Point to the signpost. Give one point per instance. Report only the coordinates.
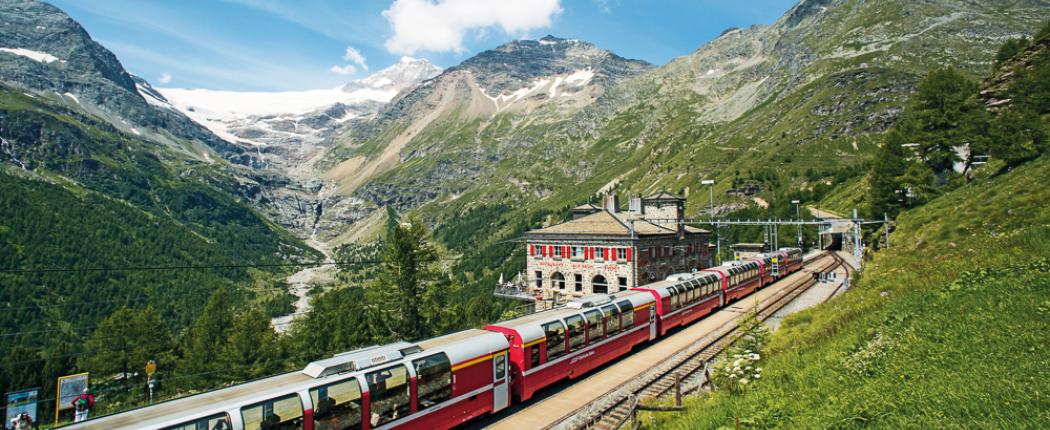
(19, 402)
(151, 368)
(69, 387)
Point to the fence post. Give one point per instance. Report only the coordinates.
(678, 389)
(634, 411)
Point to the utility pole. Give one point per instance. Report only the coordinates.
(711, 216)
(856, 238)
(798, 217)
(886, 224)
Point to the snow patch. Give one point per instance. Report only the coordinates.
(580, 77)
(548, 42)
(231, 105)
(40, 57)
(133, 130)
(70, 95)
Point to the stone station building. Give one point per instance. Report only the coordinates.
(605, 250)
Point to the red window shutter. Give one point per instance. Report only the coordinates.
(628, 254)
(565, 252)
(532, 249)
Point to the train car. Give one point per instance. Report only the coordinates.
(765, 262)
(738, 279)
(567, 342)
(792, 260)
(684, 298)
(437, 383)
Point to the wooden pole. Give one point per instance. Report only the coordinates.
(678, 389)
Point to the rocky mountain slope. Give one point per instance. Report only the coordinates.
(456, 127)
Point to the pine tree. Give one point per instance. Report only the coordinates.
(943, 107)
(886, 193)
(123, 342)
(206, 338)
(1020, 136)
(408, 286)
(252, 350)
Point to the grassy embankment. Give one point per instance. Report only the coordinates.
(948, 329)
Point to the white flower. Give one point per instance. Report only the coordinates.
(732, 375)
(743, 381)
(758, 369)
(757, 376)
(748, 367)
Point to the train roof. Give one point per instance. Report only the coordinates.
(198, 405)
(459, 346)
(530, 328)
(663, 288)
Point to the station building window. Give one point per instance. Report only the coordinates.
(599, 285)
(621, 253)
(558, 281)
(623, 282)
(539, 280)
(579, 281)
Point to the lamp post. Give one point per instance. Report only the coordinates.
(711, 216)
(798, 218)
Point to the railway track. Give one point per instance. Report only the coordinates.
(687, 366)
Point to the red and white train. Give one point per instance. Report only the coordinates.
(443, 382)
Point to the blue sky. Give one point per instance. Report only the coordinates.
(272, 45)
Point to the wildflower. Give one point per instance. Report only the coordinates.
(743, 381)
(758, 376)
(732, 375)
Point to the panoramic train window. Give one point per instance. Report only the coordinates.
(433, 379)
(674, 298)
(594, 325)
(627, 315)
(612, 319)
(534, 352)
(555, 339)
(388, 389)
(577, 332)
(282, 413)
(337, 406)
(214, 422)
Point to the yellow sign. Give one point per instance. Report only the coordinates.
(151, 367)
(774, 259)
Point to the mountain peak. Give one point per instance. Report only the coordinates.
(513, 65)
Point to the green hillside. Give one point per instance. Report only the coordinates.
(105, 216)
(946, 329)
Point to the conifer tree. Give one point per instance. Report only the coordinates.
(203, 343)
(408, 292)
(252, 350)
(123, 343)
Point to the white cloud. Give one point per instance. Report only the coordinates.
(348, 69)
(426, 25)
(164, 78)
(354, 56)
